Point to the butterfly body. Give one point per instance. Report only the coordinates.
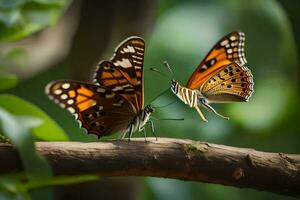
(188, 96)
(114, 102)
(221, 77)
(139, 121)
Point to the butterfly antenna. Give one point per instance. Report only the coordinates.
(165, 105)
(168, 67)
(161, 73)
(173, 119)
(162, 93)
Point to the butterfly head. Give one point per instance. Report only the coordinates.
(174, 86)
(149, 109)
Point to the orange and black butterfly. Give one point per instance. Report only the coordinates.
(115, 101)
(221, 77)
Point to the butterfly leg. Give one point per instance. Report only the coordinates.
(152, 129)
(208, 107)
(200, 113)
(130, 131)
(145, 135)
(130, 134)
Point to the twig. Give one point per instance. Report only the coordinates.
(169, 158)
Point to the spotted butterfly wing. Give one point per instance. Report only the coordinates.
(231, 83)
(100, 110)
(222, 76)
(228, 50)
(123, 73)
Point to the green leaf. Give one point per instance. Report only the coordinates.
(17, 129)
(20, 18)
(49, 130)
(7, 81)
(13, 185)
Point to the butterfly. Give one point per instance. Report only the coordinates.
(221, 77)
(114, 102)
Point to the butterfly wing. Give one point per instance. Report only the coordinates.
(228, 50)
(124, 72)
(100, 110)
(230, 83)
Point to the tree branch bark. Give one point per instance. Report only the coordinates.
(170, 158)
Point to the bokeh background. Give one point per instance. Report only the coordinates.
(43, 40)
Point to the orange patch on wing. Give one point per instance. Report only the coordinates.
(197, 79)
(71, 93)
(80, 98)
(215, 53)
(110, 82)
(117, 74)
(222, 56)
(106, 75)
(86, 104)
(84, 91)
(122, 81)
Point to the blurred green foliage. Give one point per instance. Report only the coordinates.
(48, 130)
(184, 32)
(7, 80)
(17, 129)
(21, 122)
(20, 18)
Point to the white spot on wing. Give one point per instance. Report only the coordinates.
(117, 88)
(224, 42)
(129, 49)
(137, 57)
(204, 67)
(64, 96)
(57, 92)
(232, 38)
(70, 101)
(125, 63)
(65, 85)
(110, 95)
(101, 90)
(138, 48)
(71, 110)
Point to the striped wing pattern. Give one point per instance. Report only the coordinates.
(123, 73)
(115, 98)
(98, 109)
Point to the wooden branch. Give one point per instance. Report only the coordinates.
(169, 158)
